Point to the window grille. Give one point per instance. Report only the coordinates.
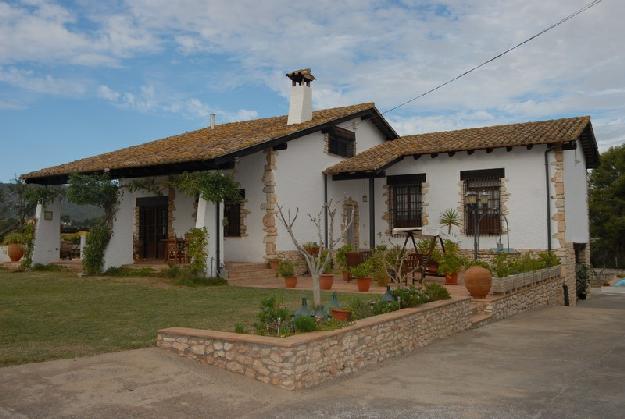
(341, 142)
(489, 215)
(232, 215)
(406, 200)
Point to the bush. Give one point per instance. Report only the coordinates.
(273, 318)
(360, 309)
(380, 306)
(436, 292)
(29, 240)
(286, 268)
(198, 240)
(362, 270)
(93, 257)
(239, 328)
(305, 324)
(341, 255)
(411, 296)
(14, 237)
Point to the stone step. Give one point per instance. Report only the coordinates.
(245, 267)
(251, 276)
(480, 319)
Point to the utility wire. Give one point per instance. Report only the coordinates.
(520, 44)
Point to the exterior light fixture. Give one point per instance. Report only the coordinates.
(471, 198)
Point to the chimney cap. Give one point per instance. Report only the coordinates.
(300, 76)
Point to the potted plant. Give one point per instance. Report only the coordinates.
(450, 265)
(286, 270)
(15, 245)
(362, 273)
(326, 279)
(343, 314)
(423, 247)
(478, 279)
(341, 261)
(312, 248)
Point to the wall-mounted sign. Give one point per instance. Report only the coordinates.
(48, 215)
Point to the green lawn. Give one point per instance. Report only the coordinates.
(49, 315)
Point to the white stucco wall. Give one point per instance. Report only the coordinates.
(119, 250)
(299, 181)
(250, 248)
(525, 181)
(576, 201)
(184, 213)
(47, 243)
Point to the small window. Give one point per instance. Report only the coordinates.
(406, 200)
(486, 183)
(341, 142)
(232, 215)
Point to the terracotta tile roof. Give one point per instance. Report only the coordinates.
(530, 133)
(204, 144)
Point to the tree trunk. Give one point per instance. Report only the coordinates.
(316, 289)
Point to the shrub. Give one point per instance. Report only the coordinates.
(198, 240)
(423, 247)
(286, 268)
(341, 255)
(48, 268)
(436, 292)
(305, 324)
(273, 318)
(479, 263)
(411, 296)
(549, 258)
(380, 306)
(239, 328)
(93, 257)
(14, 237)
(29, 239)
(360, 309)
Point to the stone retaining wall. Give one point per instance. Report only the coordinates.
(544, 293)
(305, 360)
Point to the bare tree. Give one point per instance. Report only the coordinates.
(316, 263)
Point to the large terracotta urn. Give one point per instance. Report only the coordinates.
(15, 251)
(478, 281)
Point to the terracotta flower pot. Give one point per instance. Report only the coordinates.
(15, 252)
(290, 281)
(364, 284)
(341, 315)
(478, 281)
(451, 279)
(326, 281)
(347, 276)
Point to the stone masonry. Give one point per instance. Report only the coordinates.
(306, 360)
(271, 200)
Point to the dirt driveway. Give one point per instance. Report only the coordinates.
(556, 362)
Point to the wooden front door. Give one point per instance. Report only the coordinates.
(153, 227)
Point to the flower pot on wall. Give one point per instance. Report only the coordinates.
(290, 281)
(15, 252)
(341, 315)
(478, 281)
(451, 279)
(364, 284)
(326, 281)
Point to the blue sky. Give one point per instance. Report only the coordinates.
(80, 77)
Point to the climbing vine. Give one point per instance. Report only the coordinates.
(211, 186)
(28, 235)
(198, 240)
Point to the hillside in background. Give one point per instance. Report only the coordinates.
(75, 212)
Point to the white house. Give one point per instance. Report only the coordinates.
(534, 175)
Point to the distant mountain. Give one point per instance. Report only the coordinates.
(75, 212)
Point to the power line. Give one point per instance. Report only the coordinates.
(520, 44)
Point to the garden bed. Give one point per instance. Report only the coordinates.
(507, 284)
(305, 360)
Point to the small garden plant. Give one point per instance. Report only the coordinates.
(286, 269)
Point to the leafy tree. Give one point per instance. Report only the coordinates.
(607, 209)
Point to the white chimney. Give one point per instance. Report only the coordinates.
(300, 104)
(212, 124)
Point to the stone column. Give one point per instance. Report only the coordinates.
(269, 219)
(47, 242)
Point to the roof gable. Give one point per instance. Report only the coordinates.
(206, 148)
(558, 131)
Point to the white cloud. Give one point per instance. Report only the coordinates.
(46, 84)
(146, 100)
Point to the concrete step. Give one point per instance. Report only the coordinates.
(242, 277)
(245, 267)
